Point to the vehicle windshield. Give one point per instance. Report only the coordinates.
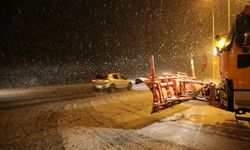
(101, 76)
(231, 34)
(247, 31)
(229, 38)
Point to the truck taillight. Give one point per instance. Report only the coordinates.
(106, 81)
(93, 81)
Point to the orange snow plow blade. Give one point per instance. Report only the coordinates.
(170, 89)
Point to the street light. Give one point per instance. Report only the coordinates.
(213, 35)
(229, 14)
(221, 43)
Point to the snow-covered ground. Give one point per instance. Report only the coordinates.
(121, 120)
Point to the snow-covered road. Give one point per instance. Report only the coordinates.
(120, 120)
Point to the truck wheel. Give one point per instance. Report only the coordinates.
(221, 94)
(112, 88)
(229, 94)
(129, 87)
(221, 101)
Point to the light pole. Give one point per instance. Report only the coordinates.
(213, 37)
(213, 27)
(229, 14)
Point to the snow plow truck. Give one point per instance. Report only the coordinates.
(233, 91)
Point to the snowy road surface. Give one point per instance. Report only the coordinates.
(35, 95)
(120, 120)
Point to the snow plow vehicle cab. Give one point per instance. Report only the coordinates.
(234, 90)
(111, 82)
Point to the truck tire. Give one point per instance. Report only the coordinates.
(225, 94)
(221, 94)
(230, 95)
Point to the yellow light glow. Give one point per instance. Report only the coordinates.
(215, 52)
(221, 43)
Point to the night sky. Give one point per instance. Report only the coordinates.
(45, 42)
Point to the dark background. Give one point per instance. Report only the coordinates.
(46, 42)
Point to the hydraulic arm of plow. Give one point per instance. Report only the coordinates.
(170, 89)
